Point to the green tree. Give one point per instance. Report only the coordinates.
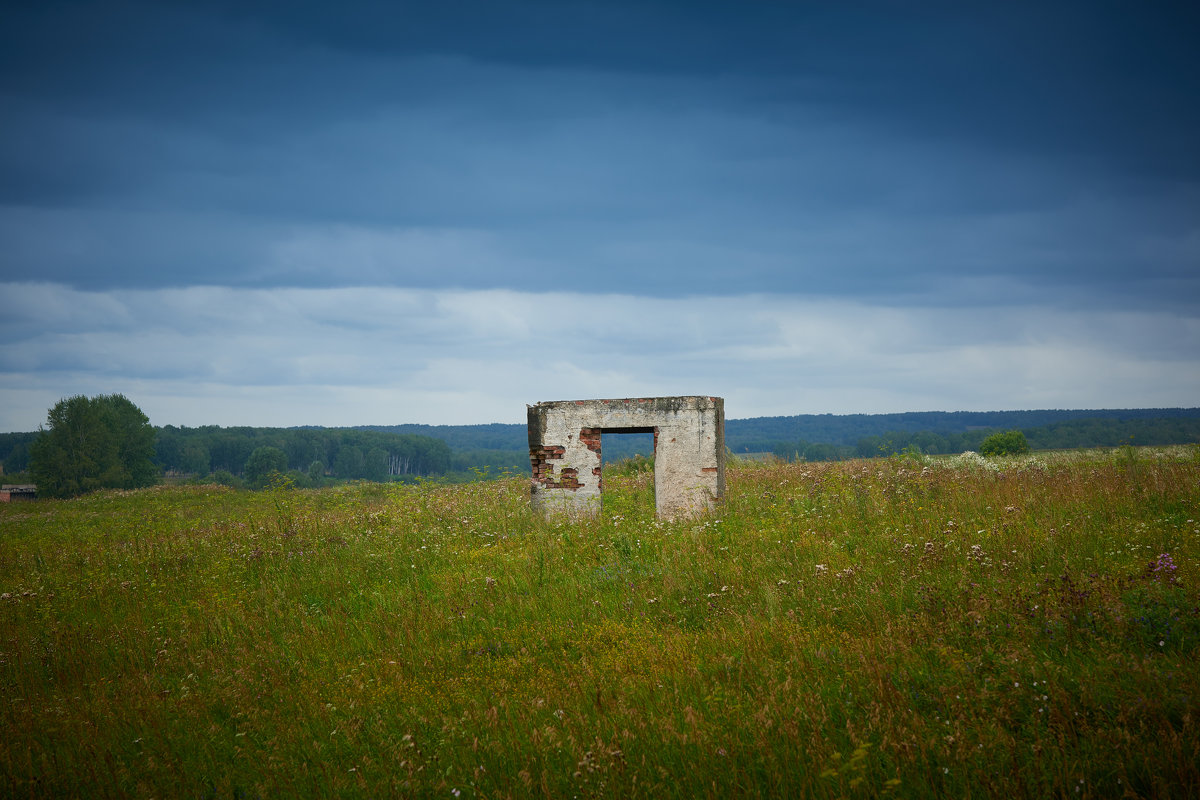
(375, 464)
(167, 448)
(264, 462)
(350, 463)
(93, 443)
(17, 459)
(1009, 443)
(194, 459)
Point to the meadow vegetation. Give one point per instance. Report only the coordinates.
(1023, 627)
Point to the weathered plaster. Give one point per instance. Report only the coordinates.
(689, 451)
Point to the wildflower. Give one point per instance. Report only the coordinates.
(1162, 569)
(821, 568)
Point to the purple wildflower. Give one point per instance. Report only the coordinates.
(1162, 569)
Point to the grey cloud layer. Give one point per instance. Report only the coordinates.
(380, 355)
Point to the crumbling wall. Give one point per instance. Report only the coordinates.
(689, 451)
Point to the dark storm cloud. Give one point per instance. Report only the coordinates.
(943, 153)
(1082, 77)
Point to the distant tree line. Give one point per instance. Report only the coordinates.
(1072, 434)
(343, 453)
(764, 434)
(852, 429)
(1059, 436)
(106, 442)
(311, 456)
(14, 451)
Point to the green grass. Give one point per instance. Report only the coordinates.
(944, 628)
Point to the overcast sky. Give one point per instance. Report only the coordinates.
(287, 213)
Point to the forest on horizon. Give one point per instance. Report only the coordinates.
(463, 452)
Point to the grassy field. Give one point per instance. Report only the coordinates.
(951, 628)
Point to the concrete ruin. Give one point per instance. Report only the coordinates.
(689, 451)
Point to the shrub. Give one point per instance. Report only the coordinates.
(264, 463)
(226, 478)
(1009, 443)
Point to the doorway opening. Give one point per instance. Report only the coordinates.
(627, 472)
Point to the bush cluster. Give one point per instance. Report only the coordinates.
(1008, 443)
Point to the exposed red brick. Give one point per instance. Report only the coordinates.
(568, 479)
(590, 437)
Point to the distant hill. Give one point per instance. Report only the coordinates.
(494, 436)
(848, 429)
(848, 435)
